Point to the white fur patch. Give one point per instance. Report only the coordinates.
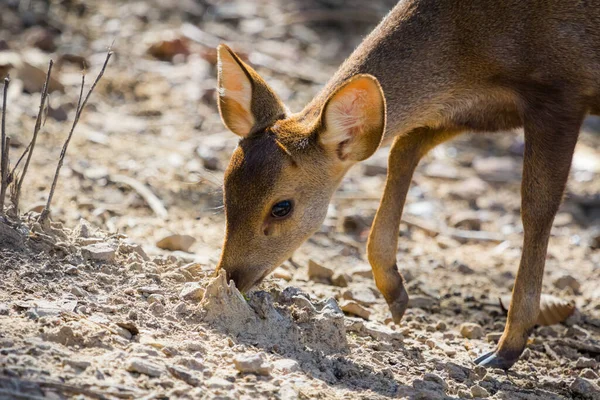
(235, 86)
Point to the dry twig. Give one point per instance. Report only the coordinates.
(153, 202)
(31, 146)
(4, 149)
(80, 106)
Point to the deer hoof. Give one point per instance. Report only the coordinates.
(499, 359)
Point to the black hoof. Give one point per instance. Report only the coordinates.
(496, 359)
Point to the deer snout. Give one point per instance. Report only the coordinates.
(244, 278)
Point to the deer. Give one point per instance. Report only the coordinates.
(428, 72)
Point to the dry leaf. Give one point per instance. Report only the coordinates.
(553, 310)
(176, 242)
(166, 50)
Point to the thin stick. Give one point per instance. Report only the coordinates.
(4, 149)
(63, 153)
(151, 199)
(38, 124)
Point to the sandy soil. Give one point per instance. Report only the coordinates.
(91, 307)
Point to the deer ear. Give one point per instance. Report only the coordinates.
(246, 102)
(353, 119)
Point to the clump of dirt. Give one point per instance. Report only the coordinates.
(286, 320)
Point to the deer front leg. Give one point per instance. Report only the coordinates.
(405, 153)
(550, 139)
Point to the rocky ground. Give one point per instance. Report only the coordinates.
(115, 298)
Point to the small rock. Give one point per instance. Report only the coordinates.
(471, 330)
(218, 383)
(493, 337)
(457, 372)
(181, 308)
(441, 326)
(156, 298)
(99, 252)
(576, 331)
(176, 242)
(318, 272)
(462, 268)
(253, 364)
(380, 332)
(184, 374)
(469, 220)
(361, 295)
(192, 291)
(283, 274)
(478, 391)
(588, 373)
(79, 364)
(421, 302)
(148, 290)
(4, 310)
(130, 326)
(145, 367)
(567, 281)
(340, 279)
(583, 362)
(286, 366)
(353, 308)
(464, 394)
(586, 388)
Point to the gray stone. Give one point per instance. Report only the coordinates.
(253, 364)
(99, 252)
(585, 388)
(583, 362)
(286, 366)
(471, 330)
(145, 367)
(479, 392)
(318, 272)
(191, 291)
(567, 281)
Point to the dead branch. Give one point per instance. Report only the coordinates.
(79, 110)
(31, 146)
(4, 149)
(153, 202)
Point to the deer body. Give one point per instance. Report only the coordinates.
(430, 71)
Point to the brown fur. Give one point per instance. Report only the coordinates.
(445, 67)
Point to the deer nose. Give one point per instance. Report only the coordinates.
(240, 278)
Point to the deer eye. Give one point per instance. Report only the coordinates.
(281, 209)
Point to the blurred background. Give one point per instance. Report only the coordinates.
(153, 121)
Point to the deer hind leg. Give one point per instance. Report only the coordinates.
(551, 132)
(405, 153)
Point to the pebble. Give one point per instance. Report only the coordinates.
(422, 302)
(318, 272)
(4, 310)
(183, 374)
(286, 366)
(441, 326)
(588, 373)
(468, 219)
(567, 281)
(219, 383)
(79, 364)
(584, 387)
(99, 252)
(148, 290)
(471, 330)
(478, 391)
(191, 291)
(457, 372)
(156, 298)
(145, 367)
(380, 332)
(253, 364)
(181, 308)
(340, 279)
(363, 296)
(583, 362)
(493, 337)
(284, 274)
(353, 308)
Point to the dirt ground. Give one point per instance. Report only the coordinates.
(91, 306)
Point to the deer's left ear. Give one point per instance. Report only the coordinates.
(246, 102)
(353, 119)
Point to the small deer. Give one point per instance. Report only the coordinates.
(428, 72)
